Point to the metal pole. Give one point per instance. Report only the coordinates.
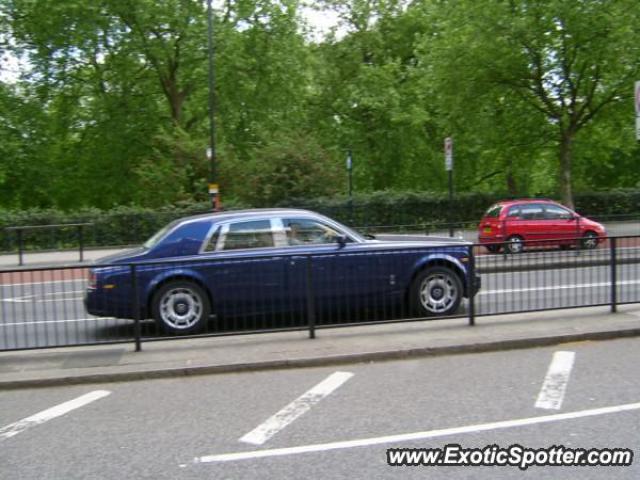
(614, 275)
(311, 307)
(20, 246)
(350, 171)
(213, 186)
(81, 242)
(136, 309)
(451, 203)
(471, 274)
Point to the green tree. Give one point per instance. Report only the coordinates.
(563, 63)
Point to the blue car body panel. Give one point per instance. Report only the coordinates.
(264, 280)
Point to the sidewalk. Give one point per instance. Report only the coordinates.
(214, 355)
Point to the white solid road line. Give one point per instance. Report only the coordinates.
(45, 322)
(51, 413)
(51, 282)
(365, 442)
(555, 382)
(30, 298)
(295, 409)
(557, 287)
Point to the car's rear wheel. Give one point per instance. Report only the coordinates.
(181, 307)
(514, 244)
(436, 291)
(590, 240)
(493, 248)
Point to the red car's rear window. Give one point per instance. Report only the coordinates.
(494, 211)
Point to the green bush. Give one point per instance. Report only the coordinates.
(413, 210)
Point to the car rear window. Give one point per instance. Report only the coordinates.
(494, 211)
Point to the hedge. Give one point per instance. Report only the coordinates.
(424, 211)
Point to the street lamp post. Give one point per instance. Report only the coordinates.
(448, 164)
(211, 151)
(350, 172)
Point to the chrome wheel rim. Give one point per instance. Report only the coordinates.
(590, 241)
(438, 293)
(181, 308)
(515, 245)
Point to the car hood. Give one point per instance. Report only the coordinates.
(416, 241)
(124, 256)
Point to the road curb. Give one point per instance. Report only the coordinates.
(341, 359)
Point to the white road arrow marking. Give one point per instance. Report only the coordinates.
(410, 437)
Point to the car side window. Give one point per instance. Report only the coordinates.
(514, 212)
(554, 212)
(303, 231)
(532, 212)
(251, 234)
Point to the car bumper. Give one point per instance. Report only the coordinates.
(101, 303)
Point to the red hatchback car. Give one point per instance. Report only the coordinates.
(516, 223)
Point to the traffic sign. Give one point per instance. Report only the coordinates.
(637, 99)
(448, 154)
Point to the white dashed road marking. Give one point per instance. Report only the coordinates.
(555, 383)
(51, 413)
(295, 409)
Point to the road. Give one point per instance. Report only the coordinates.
(42, 309)
(322, 424)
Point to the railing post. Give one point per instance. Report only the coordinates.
(136, 309)
(504, 240)
(20, 246)
(471, 274)
(614, 274)
(81, 242)
(311, 308)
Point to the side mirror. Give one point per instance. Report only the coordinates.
(341, 240)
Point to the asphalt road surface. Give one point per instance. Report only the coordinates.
(329, 423)
(42, 309)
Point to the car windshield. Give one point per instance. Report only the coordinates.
(159, 235)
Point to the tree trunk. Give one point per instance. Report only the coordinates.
(566, 152)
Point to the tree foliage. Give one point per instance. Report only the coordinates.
(112, 105)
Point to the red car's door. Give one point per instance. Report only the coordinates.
(527, 222)
(561, 223)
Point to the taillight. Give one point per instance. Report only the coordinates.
(93, 281)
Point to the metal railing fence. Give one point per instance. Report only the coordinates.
(43, 307)
(126, 230)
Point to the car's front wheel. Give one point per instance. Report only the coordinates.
(181, 307)
(590, 240)
(436, 291)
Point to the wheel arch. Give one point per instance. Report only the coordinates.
(449, 262)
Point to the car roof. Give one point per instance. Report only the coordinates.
(526, 200)
(248, 214)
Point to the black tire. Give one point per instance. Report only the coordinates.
(514, 244)
(181, 307)
(589, 240)
(493, 248)
(436, 291)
